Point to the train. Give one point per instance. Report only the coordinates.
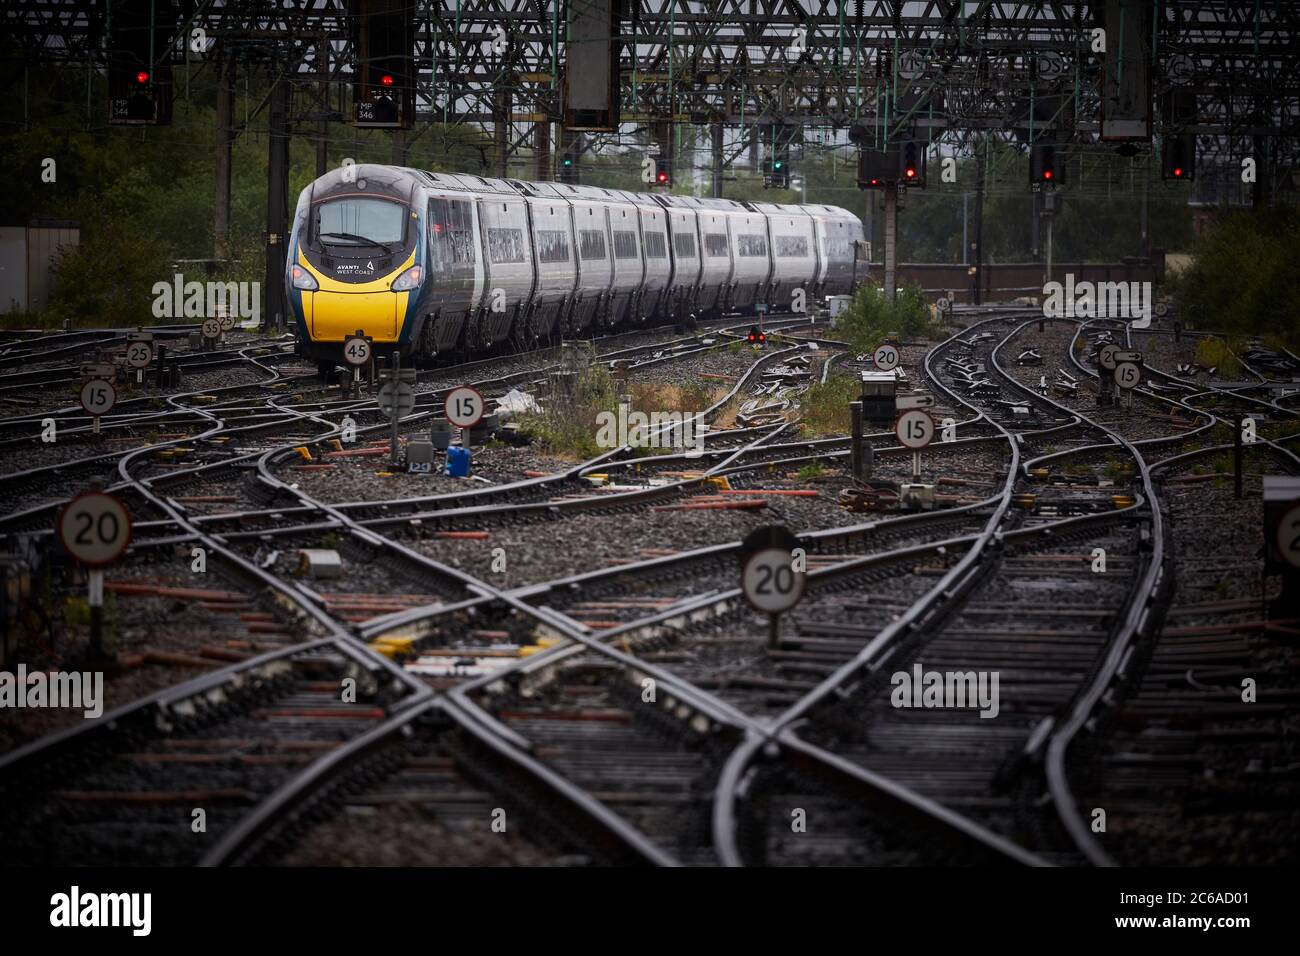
(430, 263)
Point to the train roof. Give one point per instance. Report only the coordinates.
(486, 185)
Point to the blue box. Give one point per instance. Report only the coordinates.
(458, 462)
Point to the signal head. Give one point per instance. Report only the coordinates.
(386, 79)
(142, 77)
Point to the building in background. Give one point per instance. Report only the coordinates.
(27, 257)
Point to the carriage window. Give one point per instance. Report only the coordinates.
(591, 244)
(624, 244)
(792, 247)
(655, 247)
(684, 245)
(451, 233)
(715, 244)
(751, 244)
(505, 245)
(460, 232)
(552, 246)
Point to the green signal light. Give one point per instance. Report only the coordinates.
(568, 161)
(777, 165)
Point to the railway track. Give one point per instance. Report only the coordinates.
(634, 711)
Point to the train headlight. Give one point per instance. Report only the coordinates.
(408, 280)
(302, 279)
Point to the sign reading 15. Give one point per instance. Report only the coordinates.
(464, 406)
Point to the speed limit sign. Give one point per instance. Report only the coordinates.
(464, 406)
(1127, 375)
(98, 397)
(1106, 357)
(943, 305)
(914, 428)
(356, 351)
(211, 328)
(139, 354)
(226, 321)
(886, 358)
(770, 582)
(95, 528)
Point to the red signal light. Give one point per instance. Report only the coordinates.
(663, 177)
(1047, 174)
(762, 337)
(386, 79)
(910, 172)
(1178, 171)
(875, 182)
(142, 77)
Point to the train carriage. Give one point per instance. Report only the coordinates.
(429, 263)
(751, 258)
(794, 251)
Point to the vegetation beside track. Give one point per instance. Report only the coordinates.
(1246, 267)
(871, 316)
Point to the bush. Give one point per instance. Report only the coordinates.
(1244, 269)
(871, 316)
(108, 279)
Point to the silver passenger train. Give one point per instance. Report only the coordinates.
(436, 262)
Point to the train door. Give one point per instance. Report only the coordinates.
(453, 265)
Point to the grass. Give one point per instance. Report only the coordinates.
(1118, 469)
(568, 426)
(825, 406)
(812, 470)
(1215, 352)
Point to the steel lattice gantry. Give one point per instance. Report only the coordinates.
(949, 68)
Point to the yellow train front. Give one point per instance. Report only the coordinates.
(356, 261)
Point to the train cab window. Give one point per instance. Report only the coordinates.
(655, 246)
(624, 244)
(839, 248)
(353, 221)
(591, 244)
(715, 245)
